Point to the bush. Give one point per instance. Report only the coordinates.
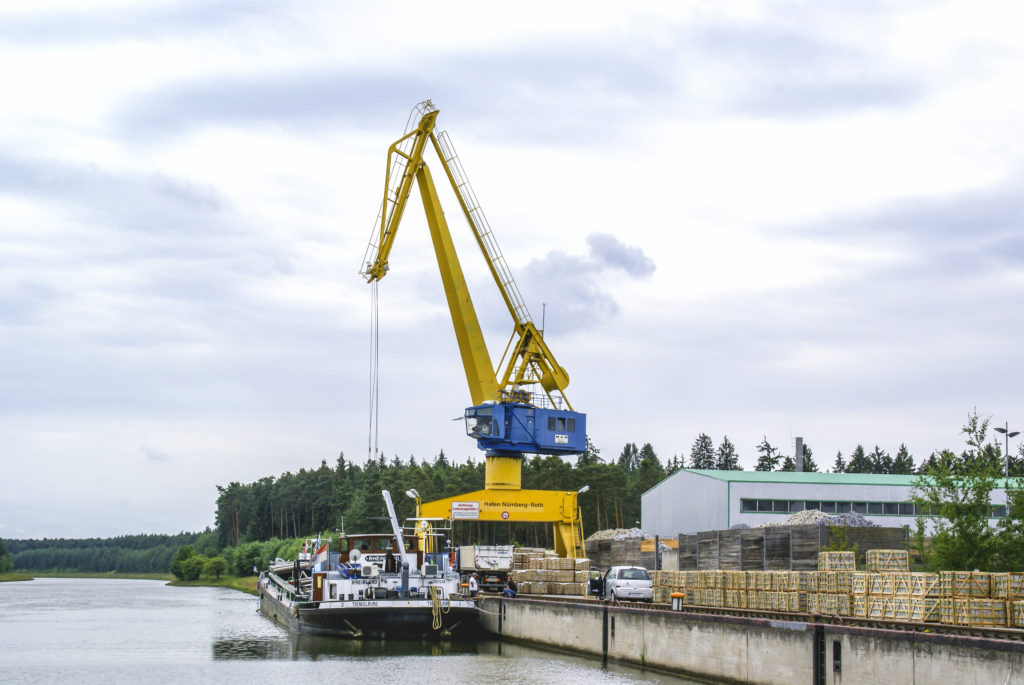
(215, 567)
(184, 553)
(193, 567)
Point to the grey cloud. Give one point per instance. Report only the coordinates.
(956, 234)
(573, 93)
(146, 201)
(146, 21)
(606, 248)
(154, 455)
(576, 287)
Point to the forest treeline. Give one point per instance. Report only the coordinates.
(349, 494)
(122, 554)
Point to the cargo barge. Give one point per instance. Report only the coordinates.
(369, 586)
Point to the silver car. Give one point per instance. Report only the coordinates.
(627, 583)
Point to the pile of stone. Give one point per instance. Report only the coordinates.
(814, 516)
(618, 534)
(851, 518)
(801, 518)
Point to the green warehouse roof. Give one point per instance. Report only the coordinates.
(805, 477)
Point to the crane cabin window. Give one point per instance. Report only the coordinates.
(561, 424)
(480, 422)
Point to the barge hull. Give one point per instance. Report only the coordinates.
(375, 619)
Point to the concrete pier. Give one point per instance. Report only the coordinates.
(752, 650)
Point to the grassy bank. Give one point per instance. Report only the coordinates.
(243, 583)
(109, 574)
(11, 577)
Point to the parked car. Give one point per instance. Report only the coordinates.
(627, 583)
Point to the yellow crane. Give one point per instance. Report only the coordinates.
(521, 407)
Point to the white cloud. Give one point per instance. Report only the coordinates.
(744, 219)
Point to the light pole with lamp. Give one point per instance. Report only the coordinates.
(1006, 431)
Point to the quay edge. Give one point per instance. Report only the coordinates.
(737, 649)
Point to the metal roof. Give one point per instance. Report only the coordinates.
(812, 478)
(806, 477)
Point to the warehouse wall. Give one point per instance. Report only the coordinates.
(687, 502)
(684, 503)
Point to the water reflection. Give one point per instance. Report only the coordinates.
(124, 631)
(315, 647)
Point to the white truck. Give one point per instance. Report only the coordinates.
(491, 562)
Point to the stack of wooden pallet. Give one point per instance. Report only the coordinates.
(886, 590)
(548, 574)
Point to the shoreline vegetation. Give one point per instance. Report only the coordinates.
(245, 584)
(106, 574)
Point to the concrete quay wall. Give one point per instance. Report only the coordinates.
(747, 650)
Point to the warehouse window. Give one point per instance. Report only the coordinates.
(785, 506)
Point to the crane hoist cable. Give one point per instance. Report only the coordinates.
(372, 447)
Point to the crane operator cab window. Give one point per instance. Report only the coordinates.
(480, 422)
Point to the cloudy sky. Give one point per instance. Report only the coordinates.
(746, 219)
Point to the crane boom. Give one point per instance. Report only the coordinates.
(506, 417)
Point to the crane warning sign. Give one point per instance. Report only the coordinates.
(465, 510)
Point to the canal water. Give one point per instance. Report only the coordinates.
(71, 630)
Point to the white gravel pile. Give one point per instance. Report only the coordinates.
(812, 516)
(851, 518)
(619, 534)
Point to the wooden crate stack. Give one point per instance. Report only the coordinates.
(886, 590)
(542, 572)
(780, 591)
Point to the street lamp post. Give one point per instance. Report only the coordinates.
(1006, 431)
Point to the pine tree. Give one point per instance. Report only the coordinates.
(880, 460)
(649, 471)
(904, 462)
(789, 463)
(591, 455)
(629, 459)
(726, 458)
(768, 456)
(702, 454)
(839, 465)
(810, 465)
(859, 462)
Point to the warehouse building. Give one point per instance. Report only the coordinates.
(693, 500)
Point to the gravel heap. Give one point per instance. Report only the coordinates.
(813, 516)
(851, 518)
(619, 534)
